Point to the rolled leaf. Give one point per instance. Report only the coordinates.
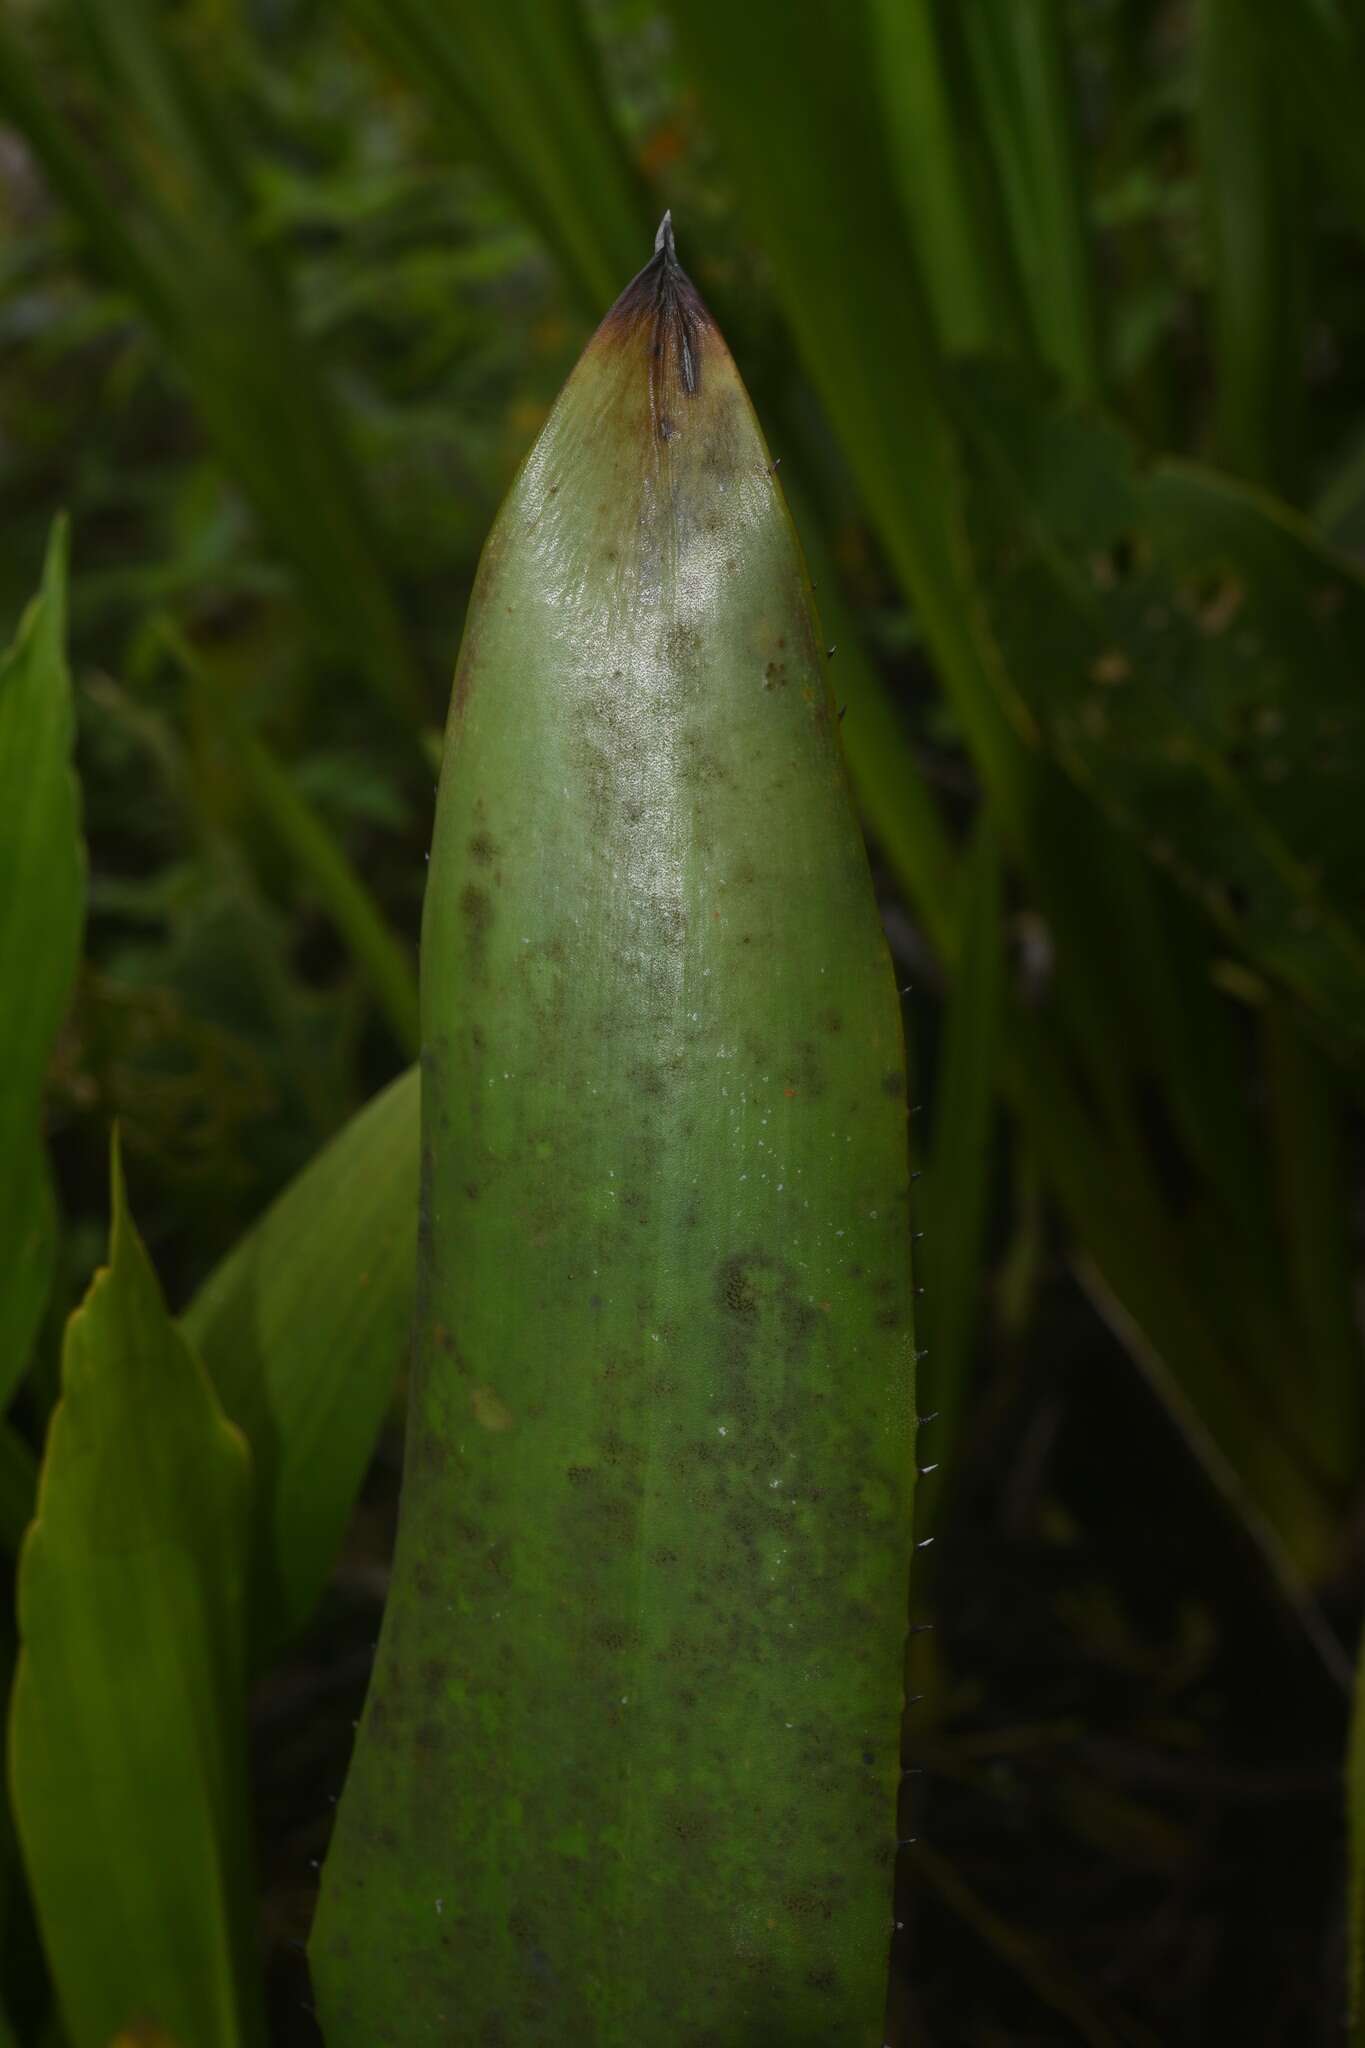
(628, 1767)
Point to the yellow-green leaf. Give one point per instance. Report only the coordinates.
(302, 1328)
(126, 1741)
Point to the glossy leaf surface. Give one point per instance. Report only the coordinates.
(628, 1767)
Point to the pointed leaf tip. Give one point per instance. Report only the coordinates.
(662, 306)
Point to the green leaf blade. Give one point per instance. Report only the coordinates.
(1251, 172)
(42, 903)
(302, 1329)
(656, 1526)
(126, 1744)
(946, 194)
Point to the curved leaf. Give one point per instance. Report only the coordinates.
(302, 1328)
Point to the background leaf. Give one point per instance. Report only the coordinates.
(961, 1160)
(527, 76)
(1251, 153)
(1192, 656)
(42, 899)
(179, 236)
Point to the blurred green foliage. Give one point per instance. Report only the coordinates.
(1040, 301)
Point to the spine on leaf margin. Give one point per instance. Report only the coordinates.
(628, 1767)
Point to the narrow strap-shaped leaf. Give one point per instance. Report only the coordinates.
(302, 1328)
(1316, 53)
(958, 1179)
(127, 1753)
(42, 908)
(949, 195)
(1251, 151)
(1027, 107)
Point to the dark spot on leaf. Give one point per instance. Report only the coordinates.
(477, 911)
(736, 1288)
(807, 1906)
